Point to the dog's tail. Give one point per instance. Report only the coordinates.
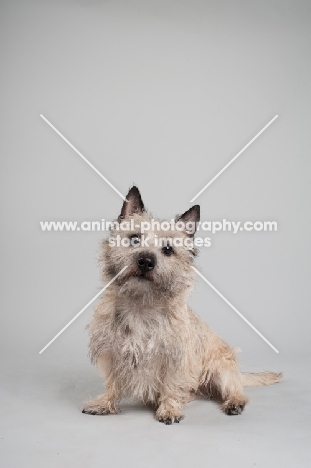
(251, 379)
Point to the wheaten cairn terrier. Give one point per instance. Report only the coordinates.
(144, 338)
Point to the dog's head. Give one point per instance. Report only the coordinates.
(158, 254)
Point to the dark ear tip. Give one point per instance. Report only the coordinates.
(133, 191)
(134, 188)
(195, 209)
(133, 203)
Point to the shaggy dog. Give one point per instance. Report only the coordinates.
(144, 338)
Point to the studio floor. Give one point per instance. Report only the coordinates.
(42, 423)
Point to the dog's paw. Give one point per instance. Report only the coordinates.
(98, 408)
(235, 405)
(170, 420)
(233, 410)
(169, 417)
(100, 411)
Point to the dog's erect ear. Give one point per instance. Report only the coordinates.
(133, 205)
(191, 216)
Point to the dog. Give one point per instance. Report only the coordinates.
(144, 338)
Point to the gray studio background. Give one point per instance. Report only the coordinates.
(161, 94)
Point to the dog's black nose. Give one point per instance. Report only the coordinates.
(146, 262)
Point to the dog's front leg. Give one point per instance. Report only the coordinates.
(103, 404)
(170, 409)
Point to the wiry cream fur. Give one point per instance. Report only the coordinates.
(149, 344)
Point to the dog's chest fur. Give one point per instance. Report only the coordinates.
(143, 332)
(144, 344)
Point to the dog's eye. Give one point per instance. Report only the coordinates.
(135, 240)
(168, 250)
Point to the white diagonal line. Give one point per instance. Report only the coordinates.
(84, 308)
(83, 157)
(235, 157)
(235, 310)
